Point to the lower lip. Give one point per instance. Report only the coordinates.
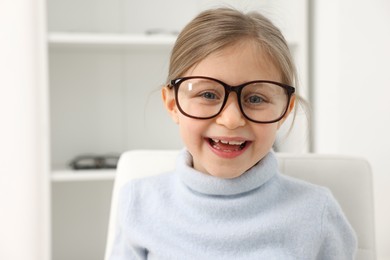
(230, 154)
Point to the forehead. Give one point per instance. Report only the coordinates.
(242, 61)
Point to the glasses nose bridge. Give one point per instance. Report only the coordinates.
(236, 89)
(229, 89)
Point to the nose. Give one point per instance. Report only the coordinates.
(231, 116)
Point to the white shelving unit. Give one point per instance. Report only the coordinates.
(58, 39)
(104, 99)
(87, 175)
(105, 75)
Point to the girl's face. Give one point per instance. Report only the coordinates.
(213, 142)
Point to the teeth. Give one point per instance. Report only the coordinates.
(236, 142)
(228, 142)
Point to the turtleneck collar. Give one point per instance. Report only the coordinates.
(203, 183)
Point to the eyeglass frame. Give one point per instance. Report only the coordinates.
(175, 84)
(99, 162)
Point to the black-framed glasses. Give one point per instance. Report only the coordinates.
(260, 101)
(89, 162)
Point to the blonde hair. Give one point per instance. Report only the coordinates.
(215, 29)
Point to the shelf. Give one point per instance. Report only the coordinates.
(82, 175)
(60, 39)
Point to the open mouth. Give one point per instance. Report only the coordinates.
(227, 146)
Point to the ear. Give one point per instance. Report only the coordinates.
(168, 97)
(290, 108)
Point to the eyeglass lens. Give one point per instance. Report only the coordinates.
(259, 101)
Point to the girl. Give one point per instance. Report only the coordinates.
(229, 90)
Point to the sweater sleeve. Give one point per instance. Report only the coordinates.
(123, 248)
(338, 238)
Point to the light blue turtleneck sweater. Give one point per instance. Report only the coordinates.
(262, 214)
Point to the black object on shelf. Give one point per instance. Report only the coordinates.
(91, 162)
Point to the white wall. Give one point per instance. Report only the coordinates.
(352, 92)
(24, 187)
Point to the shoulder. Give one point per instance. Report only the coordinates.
(140, 194)
(311, 193)
(294, 186)
(307, 200)
(332, 217)
(148, 185)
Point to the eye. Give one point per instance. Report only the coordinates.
(255, 100)
(208, 95)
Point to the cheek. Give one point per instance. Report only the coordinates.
(266, 134)
(191, 130)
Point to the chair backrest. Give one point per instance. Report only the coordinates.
(349, 179)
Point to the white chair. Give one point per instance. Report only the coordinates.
(350, 180)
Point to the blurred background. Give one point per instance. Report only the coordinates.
(82, 78)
